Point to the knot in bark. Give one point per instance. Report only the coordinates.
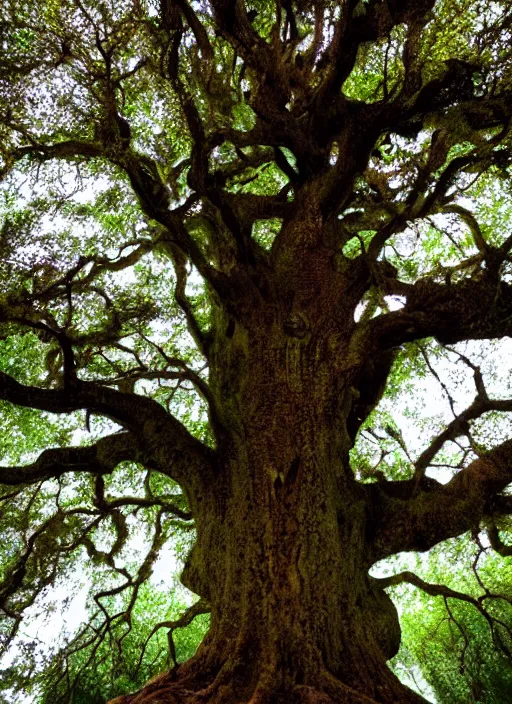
(296, 325)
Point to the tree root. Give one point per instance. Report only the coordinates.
(164, 691)
(248, 677)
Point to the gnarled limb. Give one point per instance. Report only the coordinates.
(407, 516)
(473, 309)
(167, 444)
(100, 458)
(129, 410)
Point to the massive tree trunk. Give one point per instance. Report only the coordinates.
(283, 528)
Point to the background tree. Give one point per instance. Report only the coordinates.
(257, 210)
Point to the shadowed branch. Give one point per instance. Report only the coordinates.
(100, 458)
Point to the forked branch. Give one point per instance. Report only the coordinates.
(479, 603)
(422, 515)
(167, 444)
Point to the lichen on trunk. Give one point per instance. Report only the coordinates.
(282, 552)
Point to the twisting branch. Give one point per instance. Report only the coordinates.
(199, 607)
(167, 504)
(100, 458)
(447, 593)
(427, 512)
(167, 444)
(112, 623)
(460, 426)
(407, 577)
(39, 551)
(496, 542)
(133, 583)
(202, 340)
(472, 223)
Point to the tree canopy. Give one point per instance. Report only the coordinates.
(247, 251)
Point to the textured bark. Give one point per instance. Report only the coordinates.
(283, 550)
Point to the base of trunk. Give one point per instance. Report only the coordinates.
(166, 690)
(236, 682)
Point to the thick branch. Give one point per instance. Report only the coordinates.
(168, 445)
(469, 310)
(368, 389)
(353, 29)
(405, 517)
(129, 410)
(100, 458)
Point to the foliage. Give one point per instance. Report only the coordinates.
(447, 641)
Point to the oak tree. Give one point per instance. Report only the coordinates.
(258, 209)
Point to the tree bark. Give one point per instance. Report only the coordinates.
(283, 551)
